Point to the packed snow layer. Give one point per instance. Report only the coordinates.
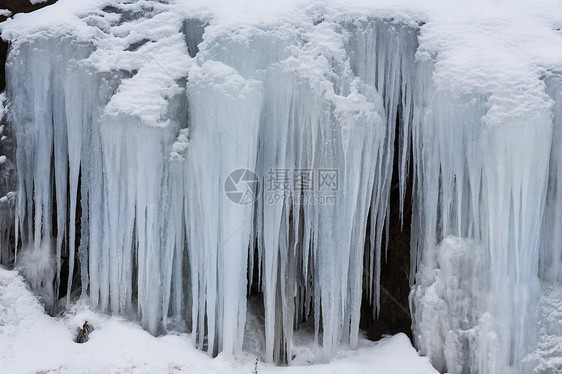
(141, 110)
(32, 342)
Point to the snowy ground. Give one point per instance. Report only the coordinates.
(33, 342)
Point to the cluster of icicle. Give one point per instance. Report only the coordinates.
(485, 234)
(133, 187)
(123, 154)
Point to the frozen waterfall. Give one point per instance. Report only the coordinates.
(165, 163)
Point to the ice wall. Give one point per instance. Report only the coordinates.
(302, 105)
(145, 121)
(547, 357)
(550, 259)
(481, 168)
(124, 160)
(92, 161)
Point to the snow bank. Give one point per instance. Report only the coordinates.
(31, 342)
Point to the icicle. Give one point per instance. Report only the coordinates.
(143, 139)
(158, 232)
(545, 357)
(223, 140)
(478, 192)
(551, 237)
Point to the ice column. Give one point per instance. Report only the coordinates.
(481, 168)
(224, 113)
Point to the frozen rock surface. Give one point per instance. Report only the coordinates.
(131, 116)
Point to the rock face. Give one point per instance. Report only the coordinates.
(7, 185)
(15, 6)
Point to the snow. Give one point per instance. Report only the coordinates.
(31, 342)
(143, 132)
(548, 356)
(38, 267)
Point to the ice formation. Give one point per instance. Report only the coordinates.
(7, 180)
(130, 120)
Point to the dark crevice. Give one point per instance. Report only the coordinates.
(136, 45)
(193, 30)
(394, 314)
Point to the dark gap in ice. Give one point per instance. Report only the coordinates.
(318, 21)
(4, 46)
(65, 258)
(136, 45)
(193, 30)
(394, 314)
(111, 9)
(133, 15)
